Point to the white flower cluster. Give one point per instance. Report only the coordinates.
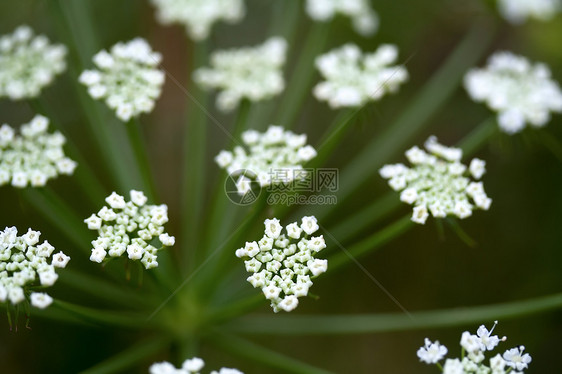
(24, 266)
(253, 73)
(519, 91)
(282, 265)
(438, 182)
(354, 78)
(190, 366)
(513, 360)
(274, 157)
(364, 19)
(129, 227)
(28, 63)
(33, 157)
(128, 78)
(518, 11)
(198, 16)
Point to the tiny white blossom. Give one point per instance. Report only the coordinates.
(431, 353)
(352, 78)
(40, 300)
(193, 365)
(515, 358)
(198, 16)
(289, 303)
(128, 78)
(453, 367)
(252, 73)
(309, 224)
(28, 64)
(517, 90)
(518, 11)
(471, 343)
(167, 240)
(189, 366)
(60, 260)
(364, 19)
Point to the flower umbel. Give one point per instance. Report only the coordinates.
(275, 157)
(130, 227)
(190, 366)
(28, 63)
(127, 78)
(354, 78)
(364, 18)
(517, 90)
(475, 346)
(33, 157)
(438, 183)
(26, 265)
(283, 265)
(253, 73)
(198, 16)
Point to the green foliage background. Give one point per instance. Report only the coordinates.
(519, 241)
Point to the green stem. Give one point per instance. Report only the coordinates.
(60, 214)
(238, 308)
(479, 136)
(303, 75)
(194, 170)
(334, 135)
(378, 323)
(139, 149)
(254, 352)
(103, 317)
(102, 289)
(130, 357)
(369, 244)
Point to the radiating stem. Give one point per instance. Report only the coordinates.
(194, 171)
(114, 318)
(377, 323)
(138, 145)
(300, 81)
(371, 243)
(130, 357)
(254, 352)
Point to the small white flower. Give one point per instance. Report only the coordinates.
(453, 367)
(252, 73)
(515, 358)
(193, 365)
(167, 240)
(115, 201)
(518, 11)
(431, 353)
(98, 254)
(317, 266)
(60, 260)
(471, 343)
(352, 78)
(477, 168)
(40, 300)
(135, 251)
(94, 222)
(272, 228)
(288, 303)
(16, 295)
(48, 278)
(309, 224)
(364, 19)
(198, 16)
(517, 90)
